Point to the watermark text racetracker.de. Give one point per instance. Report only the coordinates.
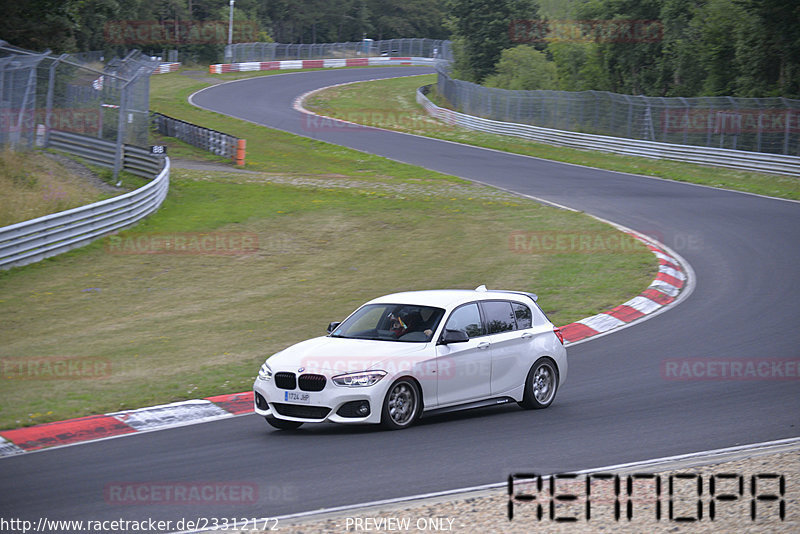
(179, 493)
(778, 369)
(44, 524)
(596, 242)
(441, 368)
(186, 243)
(209, 492)
(730, 121)
(54, 368)
(565, 242)
(76, 120)
(366, 119)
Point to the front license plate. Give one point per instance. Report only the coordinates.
(293, 396)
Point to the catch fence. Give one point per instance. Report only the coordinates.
(769, 125)
(80, 94)
(433, 48)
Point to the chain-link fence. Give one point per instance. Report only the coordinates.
(76, 93)
(755, 124)
(18, 97)
(242, 52)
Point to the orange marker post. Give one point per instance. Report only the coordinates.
(240, 151)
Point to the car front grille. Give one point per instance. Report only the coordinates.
(307, 382)
(311, 382)
(285, 380)
(297, 410)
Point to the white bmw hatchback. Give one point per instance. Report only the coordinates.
(417, 353)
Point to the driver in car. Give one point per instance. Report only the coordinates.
(406, 323)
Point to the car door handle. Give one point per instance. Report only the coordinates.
(483, 345)
(526, 335)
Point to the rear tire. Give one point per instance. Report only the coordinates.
(402, 405)
(540, 385)
(283, 424)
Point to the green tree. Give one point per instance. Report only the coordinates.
(709, 47)
(39, 25)
(633, 64)
(481, 31)
(579, 66)
(411, 18)
(680, 65)
(768, 48)
(714, 29)
(523, 68)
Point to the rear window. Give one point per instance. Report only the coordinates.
(523, 315)
(499, 316)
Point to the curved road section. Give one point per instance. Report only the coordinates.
(628, 397)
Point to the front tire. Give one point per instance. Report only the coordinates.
(540, 385)
(283, 424)
(402, 405)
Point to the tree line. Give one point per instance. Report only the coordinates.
(651, 47)
(747, 48)
(198, 28)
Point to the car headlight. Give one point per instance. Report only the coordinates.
(265, 373)
(361, 379)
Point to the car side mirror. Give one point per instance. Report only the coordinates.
(333, 325)
(454, 336)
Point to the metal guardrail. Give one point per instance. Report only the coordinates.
(30, 241)
(213, 141)
(94, 150)
(140, 161)
(103, 153)
(737, 159)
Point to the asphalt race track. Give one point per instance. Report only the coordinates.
(616, 406)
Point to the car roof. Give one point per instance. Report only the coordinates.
(447, 298)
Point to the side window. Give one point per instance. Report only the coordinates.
(466, 318)
(523, 315)
(499, 316)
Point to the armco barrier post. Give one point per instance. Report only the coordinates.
(240, 150)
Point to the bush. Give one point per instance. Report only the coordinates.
(523, 68)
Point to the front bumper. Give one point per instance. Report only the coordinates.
(322, 405)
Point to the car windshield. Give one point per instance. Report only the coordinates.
(391, 322)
